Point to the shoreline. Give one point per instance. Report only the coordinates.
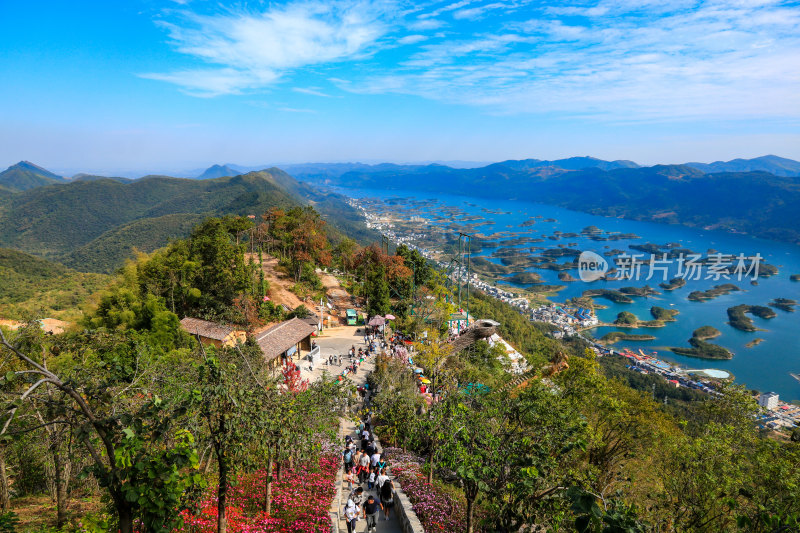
(431, 239)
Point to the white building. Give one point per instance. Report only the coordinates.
(768, 400)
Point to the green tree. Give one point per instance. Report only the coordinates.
(377, 291)
(138, 455)
(423, 271)
(229, 403)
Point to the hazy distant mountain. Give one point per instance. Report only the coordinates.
(769, 163)
(757, 203)
(218, 171)
(92, 177)
(343, 173)
(328, 172)
(25, 176)
(572, 163)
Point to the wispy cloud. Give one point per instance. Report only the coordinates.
(242, 49)
(311, 90)
(412, 39)
(635, 59)
(601, 59)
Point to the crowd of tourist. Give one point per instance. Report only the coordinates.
(363, 464)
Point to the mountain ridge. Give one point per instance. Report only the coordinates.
(93, 225)
(25, 175)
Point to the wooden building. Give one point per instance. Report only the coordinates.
(286, 340)
(211, 333)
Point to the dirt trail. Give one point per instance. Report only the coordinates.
(279, 282)
(280, 285)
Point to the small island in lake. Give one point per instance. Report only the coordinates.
(524, 278)
(717, 290)
(704, 350)
(706, 332)
(615, 336)
(639, 291)
(795, 277)
(754, 342)
(739, 320)
(608, 294)
(662, 314)
(626, 319)
(565, 276)
(674, 283)
(784, 304)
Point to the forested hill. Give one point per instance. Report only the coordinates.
(31, 285)
(93, 225)
(25, 176)
(757, 203)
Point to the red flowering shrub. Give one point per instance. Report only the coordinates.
(300, 502)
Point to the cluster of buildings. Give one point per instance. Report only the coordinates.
(676, 376)
(567, 319)
(777, 414)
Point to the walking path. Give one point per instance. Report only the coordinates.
(337, 341)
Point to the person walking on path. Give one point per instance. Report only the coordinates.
(371, 507)
(387, 497)
(350, 478)
(356, 496)
(363, 465)
(347, 459)
(375, 459)
(351, 512)
(380, 480)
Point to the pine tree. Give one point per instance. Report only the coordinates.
(377, 292)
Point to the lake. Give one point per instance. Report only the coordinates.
(765, 367)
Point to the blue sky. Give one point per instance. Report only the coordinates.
(176, 85)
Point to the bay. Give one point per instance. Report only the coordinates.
(764, 367)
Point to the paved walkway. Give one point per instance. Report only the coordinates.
(337, 341)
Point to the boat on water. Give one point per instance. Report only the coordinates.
(795, 376)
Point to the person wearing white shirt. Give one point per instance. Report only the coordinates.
(380, 479)
(351, 512)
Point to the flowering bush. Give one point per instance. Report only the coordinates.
(435, 508)
(300, 502)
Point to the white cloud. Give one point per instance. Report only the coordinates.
(637, 59)
(425, 24)
(412, 39)
(628, 59)
(477, 12)
(215, 82)
(252, 49)
(310, 90)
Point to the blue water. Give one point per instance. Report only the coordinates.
(763, 367)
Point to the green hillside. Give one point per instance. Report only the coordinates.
(25, 176)
(93, 225)
(33, 285)
(107, 251)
